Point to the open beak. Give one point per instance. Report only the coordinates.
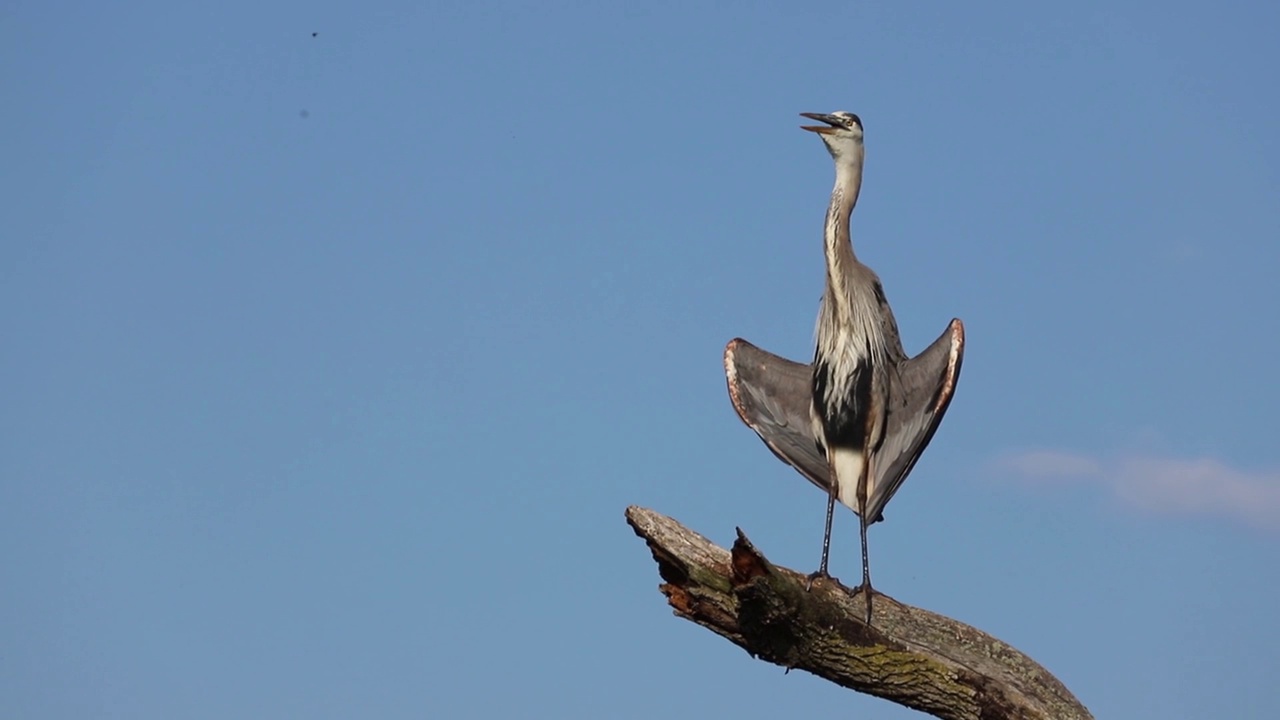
(820, 129)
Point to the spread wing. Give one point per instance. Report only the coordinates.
(919, 394)
(772, 395)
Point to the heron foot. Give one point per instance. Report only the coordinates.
(867, 592)
(814, 576)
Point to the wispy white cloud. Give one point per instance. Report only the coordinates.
(1051, 465)
(1164, 485)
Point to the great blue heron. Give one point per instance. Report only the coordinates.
(863, 412)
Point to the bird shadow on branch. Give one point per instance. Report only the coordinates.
(909, 656)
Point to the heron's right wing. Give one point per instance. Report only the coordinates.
(773, 395)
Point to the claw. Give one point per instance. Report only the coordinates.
(867, 592)
(814, 576)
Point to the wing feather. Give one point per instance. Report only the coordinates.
(919, 394)
(772, 395)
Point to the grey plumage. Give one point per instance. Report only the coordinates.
(856, 420)
(773, 396)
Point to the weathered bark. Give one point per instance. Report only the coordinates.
(910, 656)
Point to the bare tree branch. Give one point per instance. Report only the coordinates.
(910, 656)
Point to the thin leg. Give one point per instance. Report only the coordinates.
(862, 530)
(866, 566)
(826, 540)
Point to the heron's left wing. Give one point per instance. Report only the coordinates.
(918, 398)
(772, 395)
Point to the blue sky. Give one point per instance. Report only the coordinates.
(334, 360)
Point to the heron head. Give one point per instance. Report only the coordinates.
(841, 132)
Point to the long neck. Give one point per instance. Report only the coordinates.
(839, 248)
